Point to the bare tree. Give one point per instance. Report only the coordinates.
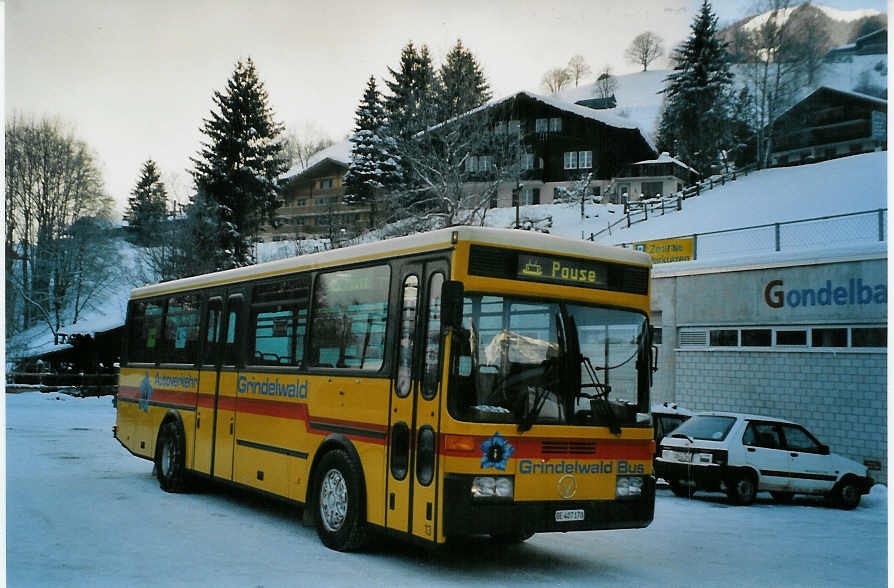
(606, 84)
(578, 68)
(644, 49)
(773, 71)
(301, 144)
(457, 168)
(556, 79)
(52, 183)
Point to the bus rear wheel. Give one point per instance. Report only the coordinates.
(170, 457)
(339, 501)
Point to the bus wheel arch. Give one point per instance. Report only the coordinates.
(170, 454)
(336, 495)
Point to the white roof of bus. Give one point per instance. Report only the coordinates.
(430, 241)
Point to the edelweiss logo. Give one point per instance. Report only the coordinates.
(567, 486)
(496, 452)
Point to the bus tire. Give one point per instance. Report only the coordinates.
(339, 502)
(170, 457)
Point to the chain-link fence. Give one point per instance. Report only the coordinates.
(837, 230)
(841, 230)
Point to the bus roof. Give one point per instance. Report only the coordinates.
(440, 239)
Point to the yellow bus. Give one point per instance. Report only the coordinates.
(465, 381)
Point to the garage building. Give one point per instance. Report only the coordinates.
(803, 338)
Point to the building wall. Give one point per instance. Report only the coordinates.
(837, 392)
(839, 396)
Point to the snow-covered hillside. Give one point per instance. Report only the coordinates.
(640, 99)
(782, 15)
(840, 186)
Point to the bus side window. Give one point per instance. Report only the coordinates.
(182, 330)
(230, 343)
(278, 322)
(145, 331)
(349, 317)
(211, 346)
(432, 337)
(407, 335)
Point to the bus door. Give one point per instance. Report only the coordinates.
(216, 430)
(414, 418)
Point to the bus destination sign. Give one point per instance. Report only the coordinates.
(571, 272)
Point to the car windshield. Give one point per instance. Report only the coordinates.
(525, 362)
(707, 427)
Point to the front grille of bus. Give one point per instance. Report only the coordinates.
(567, 447)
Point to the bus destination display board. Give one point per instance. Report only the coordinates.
(558, 270)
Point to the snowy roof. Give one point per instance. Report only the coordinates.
(665, 157)
(851, 93)
(339, 153)
(602, 116)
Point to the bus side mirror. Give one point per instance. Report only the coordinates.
(452, 305)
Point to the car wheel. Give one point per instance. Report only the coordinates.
(742, 489)
(338, 502)
(680, 489)
(847, 495)
(782, 497)
(170, 455)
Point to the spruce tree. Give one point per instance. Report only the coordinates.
(374, 162)
(698, 98)
(410, 107)
(463, 85)
(147, 204)
(236, 170)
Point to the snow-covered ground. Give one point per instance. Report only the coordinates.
(82, 511)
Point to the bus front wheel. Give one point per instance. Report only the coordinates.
(339, 502)
(170, 466)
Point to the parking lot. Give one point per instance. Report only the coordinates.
(82, 511)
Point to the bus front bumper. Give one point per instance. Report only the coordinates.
(465, 516)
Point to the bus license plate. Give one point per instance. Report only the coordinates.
(569, 515)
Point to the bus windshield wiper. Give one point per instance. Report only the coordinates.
(602, 392)
(531, 415)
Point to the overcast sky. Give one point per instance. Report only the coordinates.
(134, 78)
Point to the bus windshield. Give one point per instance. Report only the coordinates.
(526, 362)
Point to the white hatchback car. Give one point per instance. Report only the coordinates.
(743, 454)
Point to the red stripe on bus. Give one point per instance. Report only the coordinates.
(368, 432)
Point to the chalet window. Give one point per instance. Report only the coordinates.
(472, 164)
(527, 161)
(301, 202)
(500, 128)
(584, 159)
(652, 188)
(541, 125)
(326, 184)
(530, 196)
(571, 160)
(514, 128)
(485, 163)
(555, 124)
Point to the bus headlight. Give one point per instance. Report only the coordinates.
(628, 486)
(492, 487)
